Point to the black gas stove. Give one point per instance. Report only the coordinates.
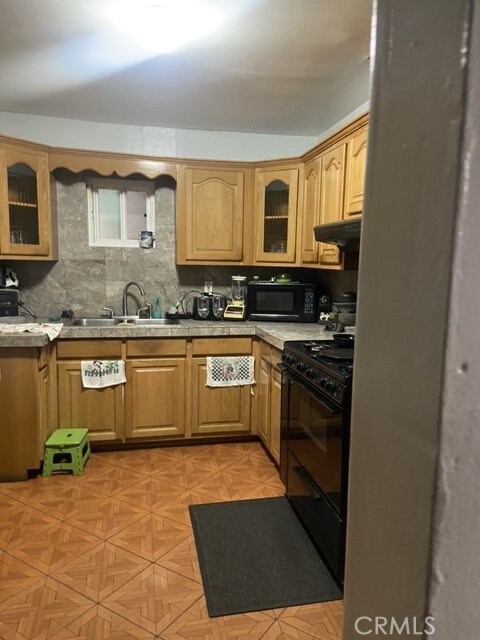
(315, 436)
(322, 365)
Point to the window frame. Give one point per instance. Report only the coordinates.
(122, 185)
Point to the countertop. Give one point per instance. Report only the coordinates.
(275, 333)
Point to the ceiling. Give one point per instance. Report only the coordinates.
(275, 66)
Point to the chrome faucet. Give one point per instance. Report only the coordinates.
(125, 292)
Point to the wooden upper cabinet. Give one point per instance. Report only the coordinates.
(210, 212)
(331, 198)
(355, 174)
(26, 227)
(311, 210)
(276, 200)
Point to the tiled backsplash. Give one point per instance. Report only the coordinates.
(85, 278)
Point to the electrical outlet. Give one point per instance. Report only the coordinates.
(208, 287)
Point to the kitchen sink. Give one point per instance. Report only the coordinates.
(95, 322)
(153, 322)
(124, 322)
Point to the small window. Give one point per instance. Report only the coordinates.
(118, 211)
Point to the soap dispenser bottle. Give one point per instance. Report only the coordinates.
(157, 312)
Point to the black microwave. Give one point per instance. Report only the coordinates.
(292, 302)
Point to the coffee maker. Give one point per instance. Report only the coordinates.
(209, 306)
(202, 307)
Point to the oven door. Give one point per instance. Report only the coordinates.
(314, 441)
(316, 437)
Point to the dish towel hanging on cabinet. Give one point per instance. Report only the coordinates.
(97, 374)
(231, 371)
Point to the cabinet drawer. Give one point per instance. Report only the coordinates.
(151, 348)
(222, 347)
(89, 349)
(270, 354)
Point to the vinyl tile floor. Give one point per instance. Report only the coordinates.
(110, 554)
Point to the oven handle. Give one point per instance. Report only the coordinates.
(307, 482)
(315, 394)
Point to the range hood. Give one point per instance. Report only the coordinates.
(345, 235)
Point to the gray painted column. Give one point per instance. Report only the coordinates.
(414, 160)
(455, 589)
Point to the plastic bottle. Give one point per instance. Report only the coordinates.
(157, 312)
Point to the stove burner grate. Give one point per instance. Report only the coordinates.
(334, 354)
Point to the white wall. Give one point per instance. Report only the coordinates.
(162, 141)
(359, 111)
(156, 141)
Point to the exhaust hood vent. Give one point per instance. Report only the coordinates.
(345, 235)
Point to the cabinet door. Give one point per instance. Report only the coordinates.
(275, 413)
(276, 215)
(355, 175)
(210, 222)
(311, 210)
(263, 400)
(19, 450)
(24, 202)
(155, 398)
(45, 418)
(98, 410)
(331, 200)
(217, 409)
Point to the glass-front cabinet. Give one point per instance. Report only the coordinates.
(276, 215)
(25, 215)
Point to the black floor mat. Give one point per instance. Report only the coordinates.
(255, 555)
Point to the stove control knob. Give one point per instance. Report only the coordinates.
(330, 386)
(310, 373)
(301, 366)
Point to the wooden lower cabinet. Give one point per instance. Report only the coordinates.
(101, 411)
(218, 410)
(155, 398)
(45, 412)
(221, 410)
(275, 413)
(263, 400)
(165, 396)
(269, 389)
(26, 419)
